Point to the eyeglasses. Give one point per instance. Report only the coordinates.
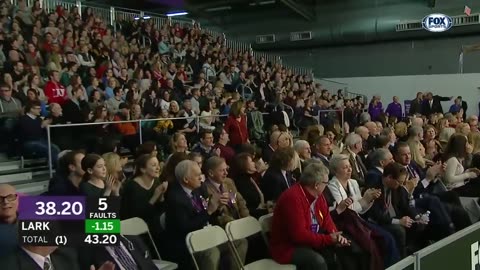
(8, 198)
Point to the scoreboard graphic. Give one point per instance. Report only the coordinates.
(69, 221)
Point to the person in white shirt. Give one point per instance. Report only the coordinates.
(456, 178)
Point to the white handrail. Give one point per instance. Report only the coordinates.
(49, 138)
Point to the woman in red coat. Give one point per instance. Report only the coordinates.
(302, 227)
(236, 125)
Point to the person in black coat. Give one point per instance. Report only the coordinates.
(68, 176)
(140, 254)
(432, 104)
(416, 105)
(278, 176)
(242, 172)
(391, 210)
(73, 108)
(60, 258)
(188, 210)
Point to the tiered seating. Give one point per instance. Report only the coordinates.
(29, 176)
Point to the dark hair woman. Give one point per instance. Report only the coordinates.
(143, 195)
(94, 183)
(242, 172)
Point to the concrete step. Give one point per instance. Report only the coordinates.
(23, 175)
(34, 188)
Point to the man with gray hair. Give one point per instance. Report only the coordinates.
(189, 208)
(303, 150)
(353, 146)
(303, 239)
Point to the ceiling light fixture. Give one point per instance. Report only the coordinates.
(177, 14)
(218, 8)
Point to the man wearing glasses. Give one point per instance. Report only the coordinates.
(8, 219)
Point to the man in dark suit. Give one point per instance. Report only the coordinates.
(430, 193)
(416, 105)
(353, 146)
(432, 104)
(8, 219)
(391, 210)
(278, 178)
(323, 150)
(189, 209)
(73, 108)
(464, 107)
(380, 159)
(131, 252)
(47, 258)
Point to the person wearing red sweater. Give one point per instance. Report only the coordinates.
(302, 226)
(236, 125)
(54, 90)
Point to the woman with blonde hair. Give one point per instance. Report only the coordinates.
(114, 166)
(463, 128)
(445, 135)
(400, 130)
(474, 140)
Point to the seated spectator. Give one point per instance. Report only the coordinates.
(54, 90)
(147, 193)
(32, 96)
(114, 166)
(188, 210)
(205, 146)
(147, 148)
(221, 137)
(217, 183)
(94, 181)
(44, 257)
(472, 120)
(8, 219)
(304, 153)
(207, 117)
(306, 241)
(242, 172)
(391, 210)
(131, 253)
(179, 143)
(34, 83)
(322, 149)
(168, 171)
(113, 103)
(67, 178)
(353, 146)
(127, 130)
(346, 193)
(278, 140)
(9, 106)
(415, 136)
(74, 107)
(455, 175)
(33, 135)
(278, 176)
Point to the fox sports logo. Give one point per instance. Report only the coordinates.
(437, 22)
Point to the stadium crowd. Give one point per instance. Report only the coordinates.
(361, 193)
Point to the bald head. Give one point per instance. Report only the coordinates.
(8, 204)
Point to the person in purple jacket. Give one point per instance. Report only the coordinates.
(395, 109)
(375, 109)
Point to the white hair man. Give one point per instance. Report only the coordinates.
(189, 209)
(353, 146)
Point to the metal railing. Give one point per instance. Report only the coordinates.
(140, 131)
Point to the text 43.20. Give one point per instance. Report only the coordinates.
(103, 239)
